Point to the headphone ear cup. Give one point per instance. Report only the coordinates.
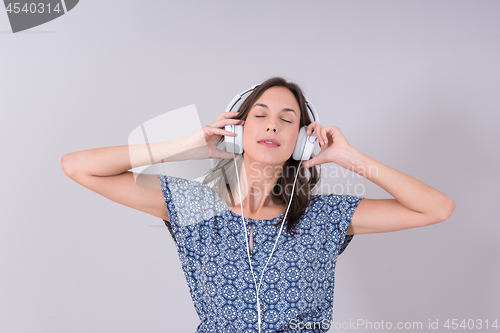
(299, 146)
(234, 144)
(304, 146)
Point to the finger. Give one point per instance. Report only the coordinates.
(327, 136)
(324, 139)
(317, 131)
(316, 160)
(311, 127)
(224, 122)
(220, 131)
(309, 164)
(226, 115)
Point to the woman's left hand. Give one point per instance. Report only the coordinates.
(332, 142)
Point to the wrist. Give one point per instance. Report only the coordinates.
(351, 158)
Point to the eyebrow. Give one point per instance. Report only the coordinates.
(285, 109)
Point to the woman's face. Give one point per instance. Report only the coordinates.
(275, 117)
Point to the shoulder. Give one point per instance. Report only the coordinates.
(334, 207)
(335, 201)
(183, 187)
(343, 202)
(177, 182)
(189, 201)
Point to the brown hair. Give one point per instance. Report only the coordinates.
(224, 171)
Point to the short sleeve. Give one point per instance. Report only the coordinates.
(340, 211)
(188, 202)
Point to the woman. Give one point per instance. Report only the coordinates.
(275, 283)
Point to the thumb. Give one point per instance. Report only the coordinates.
(316, 160)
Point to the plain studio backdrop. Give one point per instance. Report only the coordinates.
(413, 84)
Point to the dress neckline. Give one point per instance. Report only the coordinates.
(258, 220)
(246, 218)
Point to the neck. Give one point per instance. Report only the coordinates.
(257, 181)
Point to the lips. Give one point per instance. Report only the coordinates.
(269, 142)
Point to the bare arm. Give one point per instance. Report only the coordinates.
(105, 170)
(415, 204)
(111, 161)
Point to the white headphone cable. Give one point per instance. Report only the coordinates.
(257, 288)
(246, 240)
(282, 224)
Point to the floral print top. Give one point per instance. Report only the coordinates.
(298, 283)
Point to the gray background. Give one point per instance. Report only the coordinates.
(413, 84)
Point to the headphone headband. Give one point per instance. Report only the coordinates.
(238, 97)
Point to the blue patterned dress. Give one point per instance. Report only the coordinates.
(298, 283)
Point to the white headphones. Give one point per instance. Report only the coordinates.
(303, 147)
(303, 151)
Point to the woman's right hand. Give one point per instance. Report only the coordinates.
(205, 140)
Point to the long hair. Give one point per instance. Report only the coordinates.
(222, 177)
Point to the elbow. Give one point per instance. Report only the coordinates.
(446, 209)
(66, 165)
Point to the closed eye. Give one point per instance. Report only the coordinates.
(281, 119)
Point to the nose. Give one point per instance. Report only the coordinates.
(272, 123)
(271, 126)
